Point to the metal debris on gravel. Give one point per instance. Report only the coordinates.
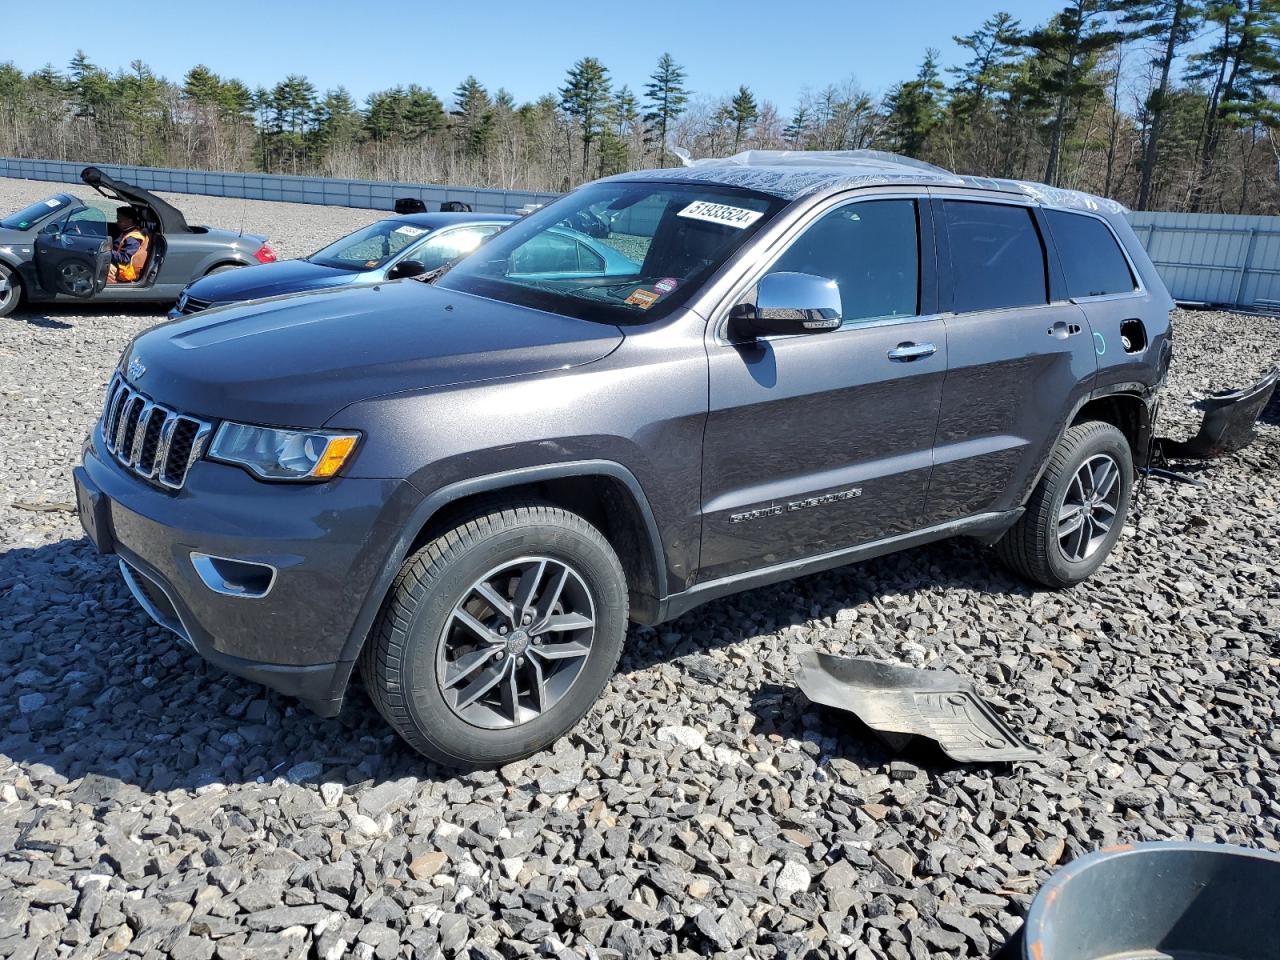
(151, 805)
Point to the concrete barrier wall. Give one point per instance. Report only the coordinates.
(370, 194)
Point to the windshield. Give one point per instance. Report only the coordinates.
(618, 252)
(371, 247)
(25, 219)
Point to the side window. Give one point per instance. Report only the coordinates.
(871, 249)
(997, 257)
(446, 246)
(546, 253)
(588, 260)
(1091, 259)
(87, 221)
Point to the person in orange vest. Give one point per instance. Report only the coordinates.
(129, 252)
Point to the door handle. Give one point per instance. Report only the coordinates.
(1061, 330)
(906, 352)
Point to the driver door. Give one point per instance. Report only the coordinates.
(818, 443)
(72, 255)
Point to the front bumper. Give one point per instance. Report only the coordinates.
(327, 543)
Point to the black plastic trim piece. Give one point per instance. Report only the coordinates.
(981, 525)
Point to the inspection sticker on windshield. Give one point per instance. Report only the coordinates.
(642, 298)
(737, 217)
(409, 231)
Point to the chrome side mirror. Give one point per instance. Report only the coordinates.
(786, 304)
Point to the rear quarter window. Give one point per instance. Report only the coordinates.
(1092, 260)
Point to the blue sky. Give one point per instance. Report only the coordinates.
(777, 48)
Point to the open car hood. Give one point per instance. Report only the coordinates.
(170, 217)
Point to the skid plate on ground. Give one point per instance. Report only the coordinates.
(929, 703)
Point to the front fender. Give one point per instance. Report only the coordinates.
(436, 501)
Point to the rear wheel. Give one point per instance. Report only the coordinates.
(223, 268)
(1077, 511)
(10, 290)
(498, 635)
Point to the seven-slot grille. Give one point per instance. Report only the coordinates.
(155, 442)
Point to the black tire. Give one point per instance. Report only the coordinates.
(400, 662)
(223, 268)
(12, 296)
(1031, 547)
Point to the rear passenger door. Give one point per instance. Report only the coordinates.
(1020, 356)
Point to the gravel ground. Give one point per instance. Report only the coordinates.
(154, 806)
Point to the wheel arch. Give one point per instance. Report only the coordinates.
(1125, 406)
(603, 492)
(1125, 410)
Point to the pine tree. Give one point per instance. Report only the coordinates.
(1170, 24)
(990, 68)
(1242, 68)
(336, 121)
(667, 97)
(624, 112)
(423, 112)
(797, 131)
(202, 85)
(743, 112)
(473, 117)
(914, 108)
(585, 98)
(1069, 46)
(91, 85)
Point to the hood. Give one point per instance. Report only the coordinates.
(296, 361)
(267, 280)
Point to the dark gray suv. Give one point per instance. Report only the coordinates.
(469, 482)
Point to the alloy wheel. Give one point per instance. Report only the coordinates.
(1089, 508)
(515, 642)
(77, 280)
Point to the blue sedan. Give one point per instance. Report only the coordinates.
(385, 250)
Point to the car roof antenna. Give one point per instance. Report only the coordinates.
(244, 211)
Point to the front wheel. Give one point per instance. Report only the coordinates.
(10, 290)
(498, 635)
(1077, 511)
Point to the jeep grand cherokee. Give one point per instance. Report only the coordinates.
(664, 387)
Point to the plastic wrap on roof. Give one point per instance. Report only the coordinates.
(792, 174)
(1052, 196)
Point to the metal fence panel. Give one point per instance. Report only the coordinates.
(1214, 258)
(370, 194)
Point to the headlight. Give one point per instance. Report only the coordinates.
(283, 454)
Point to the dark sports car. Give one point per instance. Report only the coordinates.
(60, 248)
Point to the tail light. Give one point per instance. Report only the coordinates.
(265, 254)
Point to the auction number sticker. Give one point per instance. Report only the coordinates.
(409, 231)
(737, 217)
(55, 203)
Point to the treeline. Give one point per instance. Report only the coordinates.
(1162, 104)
